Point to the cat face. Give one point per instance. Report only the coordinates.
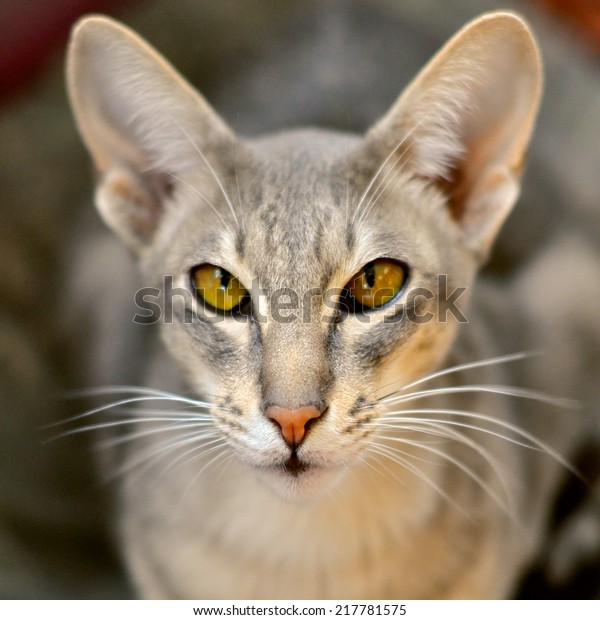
(300, 238)
(309, 265)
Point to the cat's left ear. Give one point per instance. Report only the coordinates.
(465, 122)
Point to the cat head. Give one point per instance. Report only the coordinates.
(313, 267)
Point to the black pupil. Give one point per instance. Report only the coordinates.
(225, 278)
(370, 274)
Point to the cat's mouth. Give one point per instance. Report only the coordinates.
(299, 479)
(295, 466)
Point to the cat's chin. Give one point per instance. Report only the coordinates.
(303, 483)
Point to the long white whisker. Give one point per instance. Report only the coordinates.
(372, 468)
(227, 463)
(237, 184)
(347, 181)
(109, 390)
(411, 455)
(181, 458)
(535, 442)
(401, 460)
(127, 401)
(150, 452)
(425, 425)
(382, 166)
(214, 174)
(148, 456)
(373, 454)
(457, 463)
(502, 359)
(481, 429)
(181, 413)
(128, 421)
(377, 193)
(121, 439)
(390, 453)
(201, 195)
(225, 448)
(503, 390)
(374, 178)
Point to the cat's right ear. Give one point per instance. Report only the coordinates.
(143, 124)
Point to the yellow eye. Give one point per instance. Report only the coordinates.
(217, 287)
(377, 283)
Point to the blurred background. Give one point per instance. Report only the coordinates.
(264, 65)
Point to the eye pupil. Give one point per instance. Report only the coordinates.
(225, 278)
(369, 270)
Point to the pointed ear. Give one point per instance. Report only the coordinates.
(140, 120)
(465, 122)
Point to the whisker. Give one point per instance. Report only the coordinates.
(492, 361)
(374, 178)
(147, 457)
(109, 390)
(535, 442)
(389, 453)
(125, 401)
(237, 184)
(377, 193)
(203, 197)
(503, 390)
(227, 463)
(225, 448)
(215, 445)
(382, 470)
(129, 421)
(384, 163)
(457, 463)
(113, 442)
(181, 458)
(481, 429)
(410, 455)
(213, 173)
(142, 455)
(365, 461)
(425, 425)
(182, 413)
(347, 180)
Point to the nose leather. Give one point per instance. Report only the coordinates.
(292, 422)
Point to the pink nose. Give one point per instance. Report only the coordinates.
(292, 422)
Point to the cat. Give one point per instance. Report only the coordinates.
(398, 434)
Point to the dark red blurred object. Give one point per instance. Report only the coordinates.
(32, 30)
(582, 16)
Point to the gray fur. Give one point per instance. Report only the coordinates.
(117, 359)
